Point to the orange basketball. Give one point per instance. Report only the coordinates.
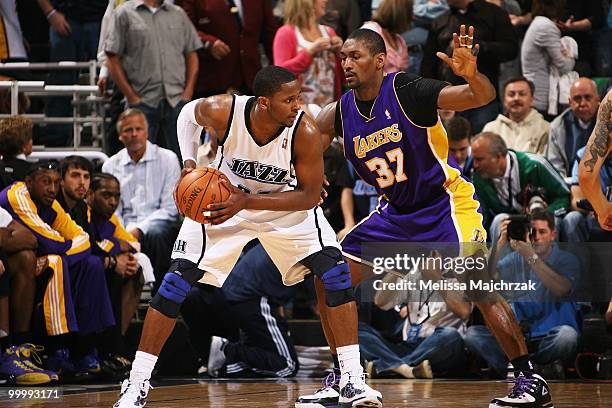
(198, 189)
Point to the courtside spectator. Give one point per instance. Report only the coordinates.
(522, 127)
(147, 174)
(73, 302)
(571, 130)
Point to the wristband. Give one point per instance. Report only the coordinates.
(51, 13)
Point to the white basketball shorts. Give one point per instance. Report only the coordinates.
(288, 237)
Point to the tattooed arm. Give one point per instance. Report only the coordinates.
(597, 150)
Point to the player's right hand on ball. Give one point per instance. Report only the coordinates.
(188, 167)
(218, 213)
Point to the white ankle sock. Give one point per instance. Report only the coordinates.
(348, 356)
(142, 367)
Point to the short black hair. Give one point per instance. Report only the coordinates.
(371, 39)
(520, 79)
(77, 162)
(543, 215)
(98, 178)
(458, 128)
(269, 80)
(43, 165)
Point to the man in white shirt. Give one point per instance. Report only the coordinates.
(148, 175)
(522, 128)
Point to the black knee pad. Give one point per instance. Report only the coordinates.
(329, 265)
(175, 287)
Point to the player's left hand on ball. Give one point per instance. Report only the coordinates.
(463, 61)
(218, 213)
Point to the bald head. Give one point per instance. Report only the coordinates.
(584, 99)
(489, 152)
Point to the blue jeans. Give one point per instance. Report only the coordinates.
(578, 227)
(560, 343)
(443, 348)
(480, 341)
(157, 245)
(80, 45)
(162, 124)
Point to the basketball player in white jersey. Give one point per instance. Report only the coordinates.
(272, 154)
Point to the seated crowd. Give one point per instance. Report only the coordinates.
(79, 242)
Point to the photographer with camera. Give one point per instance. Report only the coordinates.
(548, 317)
(511, 182)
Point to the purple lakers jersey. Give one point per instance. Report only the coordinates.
(406, 163)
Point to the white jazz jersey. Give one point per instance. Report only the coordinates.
(287, 236)
(253, 168)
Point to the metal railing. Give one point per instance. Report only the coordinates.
(91, 65)
(59, 153)
(39, 89)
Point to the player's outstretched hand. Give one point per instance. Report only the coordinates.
(463, 61)
(218, 213)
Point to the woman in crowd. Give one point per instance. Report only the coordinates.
(310, 50)
(390, 20)
(542, 50)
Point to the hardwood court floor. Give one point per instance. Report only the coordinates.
(268, 394)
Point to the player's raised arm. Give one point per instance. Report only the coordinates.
(326, 123)
(479, 91)
(595, 154)
(212, 111)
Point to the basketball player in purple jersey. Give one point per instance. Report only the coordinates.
(395, 141)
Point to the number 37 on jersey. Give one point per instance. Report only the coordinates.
(382, 166)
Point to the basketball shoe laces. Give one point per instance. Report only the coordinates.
(522, 385)
(28, 351)
(330, 381)
(351, 390)
(132, 391)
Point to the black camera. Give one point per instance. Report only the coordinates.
(533, 198)
(519, 227)
(584, 204)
